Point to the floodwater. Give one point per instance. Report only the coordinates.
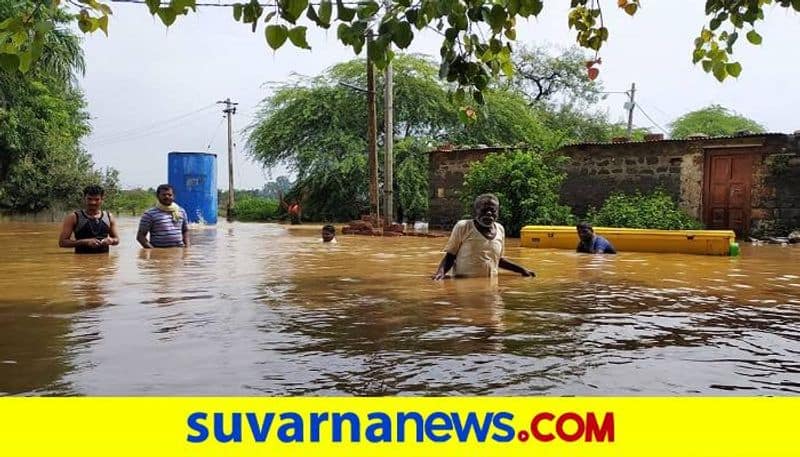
(253, 309)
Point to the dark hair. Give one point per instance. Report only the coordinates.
(164, 187)
(584, 226)
(93, 189)
(328, 228)
(483, 197)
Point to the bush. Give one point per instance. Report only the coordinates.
(527, 184)
(656, 210)
(249, 209)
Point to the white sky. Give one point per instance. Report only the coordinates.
(144, 74)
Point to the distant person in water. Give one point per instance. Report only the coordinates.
(94, 230)
(166, 223)
(294, 213)
(329, 234)
(591, 243)
(294, 210)
(476, 246)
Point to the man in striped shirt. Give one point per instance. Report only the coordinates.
(166, 222)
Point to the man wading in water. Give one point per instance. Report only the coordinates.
(476, 246)
(167, 222)
(94, 229)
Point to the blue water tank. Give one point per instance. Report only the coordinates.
(193, 175)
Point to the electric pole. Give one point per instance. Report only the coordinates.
(388, 187)
(230, 110)
(631, 105)
(372, 132)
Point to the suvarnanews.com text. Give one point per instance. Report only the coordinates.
(399, 427)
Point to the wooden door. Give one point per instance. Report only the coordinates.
(729, 180)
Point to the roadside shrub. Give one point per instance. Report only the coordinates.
(527, 184)
(656, 210)
(252, 209)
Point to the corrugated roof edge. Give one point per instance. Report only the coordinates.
(671, 140)
(607, 143)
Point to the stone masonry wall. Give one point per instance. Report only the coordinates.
(775, 200)
(597, 170)
(446, 173)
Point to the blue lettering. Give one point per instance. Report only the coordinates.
(355, 427)
(194, 424)
(219, 428)
(431, 427)
(260, 432)
(402, 418)
(316, 422)
(463, 431)
(497, 421)
(295, 424)
(384, 425)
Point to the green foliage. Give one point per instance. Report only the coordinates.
(130, 202)
(319, 129)
(527, 184)
(713, 120)
(714, 45)
(42, 120)
(251, 209)
(656, 210)
(411, 179)
(569, 125)
(554, 80)
(477, 34)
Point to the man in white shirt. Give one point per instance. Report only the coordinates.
(476, 246)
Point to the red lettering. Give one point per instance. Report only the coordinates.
(571, 427)
(604, 432)
(544, 437)
(563, 434)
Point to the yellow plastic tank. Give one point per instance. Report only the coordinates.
(707, 242)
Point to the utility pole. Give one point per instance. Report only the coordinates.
(388, 188)
(631, 105)
(372, 132)
(230, 110)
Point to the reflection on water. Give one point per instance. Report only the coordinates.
(261, 309)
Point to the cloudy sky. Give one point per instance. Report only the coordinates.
(152, 90)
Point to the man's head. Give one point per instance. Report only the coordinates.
(487, 209)
(165, 194)
(585, 232)
(93, 197)
(328, 233)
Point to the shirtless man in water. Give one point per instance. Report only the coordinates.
(476, 246)
(94, 230)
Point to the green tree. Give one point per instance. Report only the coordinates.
(411, 179)
(42, 120)
(319, 129)
(477, 34)
(527, 184)
(714, 120)
(656, 210)
(555, 80)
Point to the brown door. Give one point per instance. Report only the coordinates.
(729, 179)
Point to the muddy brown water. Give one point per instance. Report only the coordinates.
(255, 309)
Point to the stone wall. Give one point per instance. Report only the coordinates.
(446, 172)
(775, 201)
(595, 171)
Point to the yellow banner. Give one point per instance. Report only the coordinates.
(361, 427)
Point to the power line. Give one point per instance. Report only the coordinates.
(216, 131)
(651, 119)
(148, 128)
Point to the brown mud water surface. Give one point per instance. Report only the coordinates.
(254, 309)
